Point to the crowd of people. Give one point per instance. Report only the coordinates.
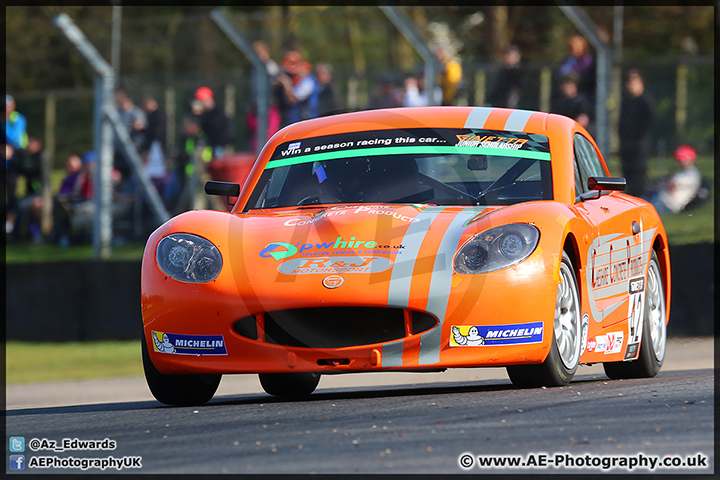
(300, 90)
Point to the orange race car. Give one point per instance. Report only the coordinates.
(410, 239)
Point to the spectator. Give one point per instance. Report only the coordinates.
(192, 139)
(15, 125)
(16, 141)
(508, 83)
(327, 100)
(636, 117)
(450, 76)
(263, 51)
(70, 194)
(27, 221)
(213, 121)
(156, 128)
(32, 167)
(135, 121)
(683, 187)
(11, 209)
(386, 94)
(415, 94)
(298, 90)
(154, 149)
(579, 62)
(74, 206)
(572, 103)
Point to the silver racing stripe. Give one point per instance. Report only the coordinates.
(401, 277)
(517, 120)
(392, 354)
(441, 284)
(477, 117)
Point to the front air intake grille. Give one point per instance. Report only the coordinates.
(335, 327)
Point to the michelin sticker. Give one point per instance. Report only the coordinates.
(489, 335)
(188, 344)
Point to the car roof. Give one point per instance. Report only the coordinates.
(488, 118)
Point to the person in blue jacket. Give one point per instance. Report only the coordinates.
(15, 125)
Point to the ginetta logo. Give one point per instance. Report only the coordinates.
(333, 281)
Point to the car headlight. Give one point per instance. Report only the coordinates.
(497, 248)
(188, 258)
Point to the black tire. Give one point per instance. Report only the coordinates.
(556, 370)
(289, 384)
(178, 390)
(649, 360)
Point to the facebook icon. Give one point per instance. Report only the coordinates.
(17, 462)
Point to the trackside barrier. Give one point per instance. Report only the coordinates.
(91, 300)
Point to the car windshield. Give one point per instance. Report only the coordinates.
(418, 166)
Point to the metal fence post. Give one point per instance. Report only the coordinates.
(104, 80)
(107, 120)
(262, 79)
(47, 163)
(480, 88)
(411, 33)
(545, 89)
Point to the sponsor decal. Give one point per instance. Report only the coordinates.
(333, 281)
(614, 342)
(489, 335)
(636, 310)
(378, 210)
(601, 343)
(632, 351)
(490, 141)
(614, 261)
(339, 264)
(339, 246)
(412, 141)
(637, 285)
(591, 344)
(584, 334)
(188, 344)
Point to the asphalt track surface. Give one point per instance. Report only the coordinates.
(404, 428)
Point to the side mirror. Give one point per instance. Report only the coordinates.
(224, 189)
(607, 183)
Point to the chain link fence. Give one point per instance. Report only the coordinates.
(682, 95)
(370, 49)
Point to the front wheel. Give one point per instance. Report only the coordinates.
(289, 384)
(654, 331)
(178, 390)
(562, 362)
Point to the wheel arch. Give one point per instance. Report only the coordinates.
(660, 246)
(570, 246)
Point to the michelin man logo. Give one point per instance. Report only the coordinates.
(164, 345)
(473, 337)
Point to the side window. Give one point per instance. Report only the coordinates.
(587, 161)
(579, 187)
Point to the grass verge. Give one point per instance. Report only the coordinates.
(49, 362)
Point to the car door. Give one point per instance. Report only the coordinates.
(616, 256)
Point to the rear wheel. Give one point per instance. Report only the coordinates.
(562, 362)
(179, 390)
(654, 336)
(289, 384)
